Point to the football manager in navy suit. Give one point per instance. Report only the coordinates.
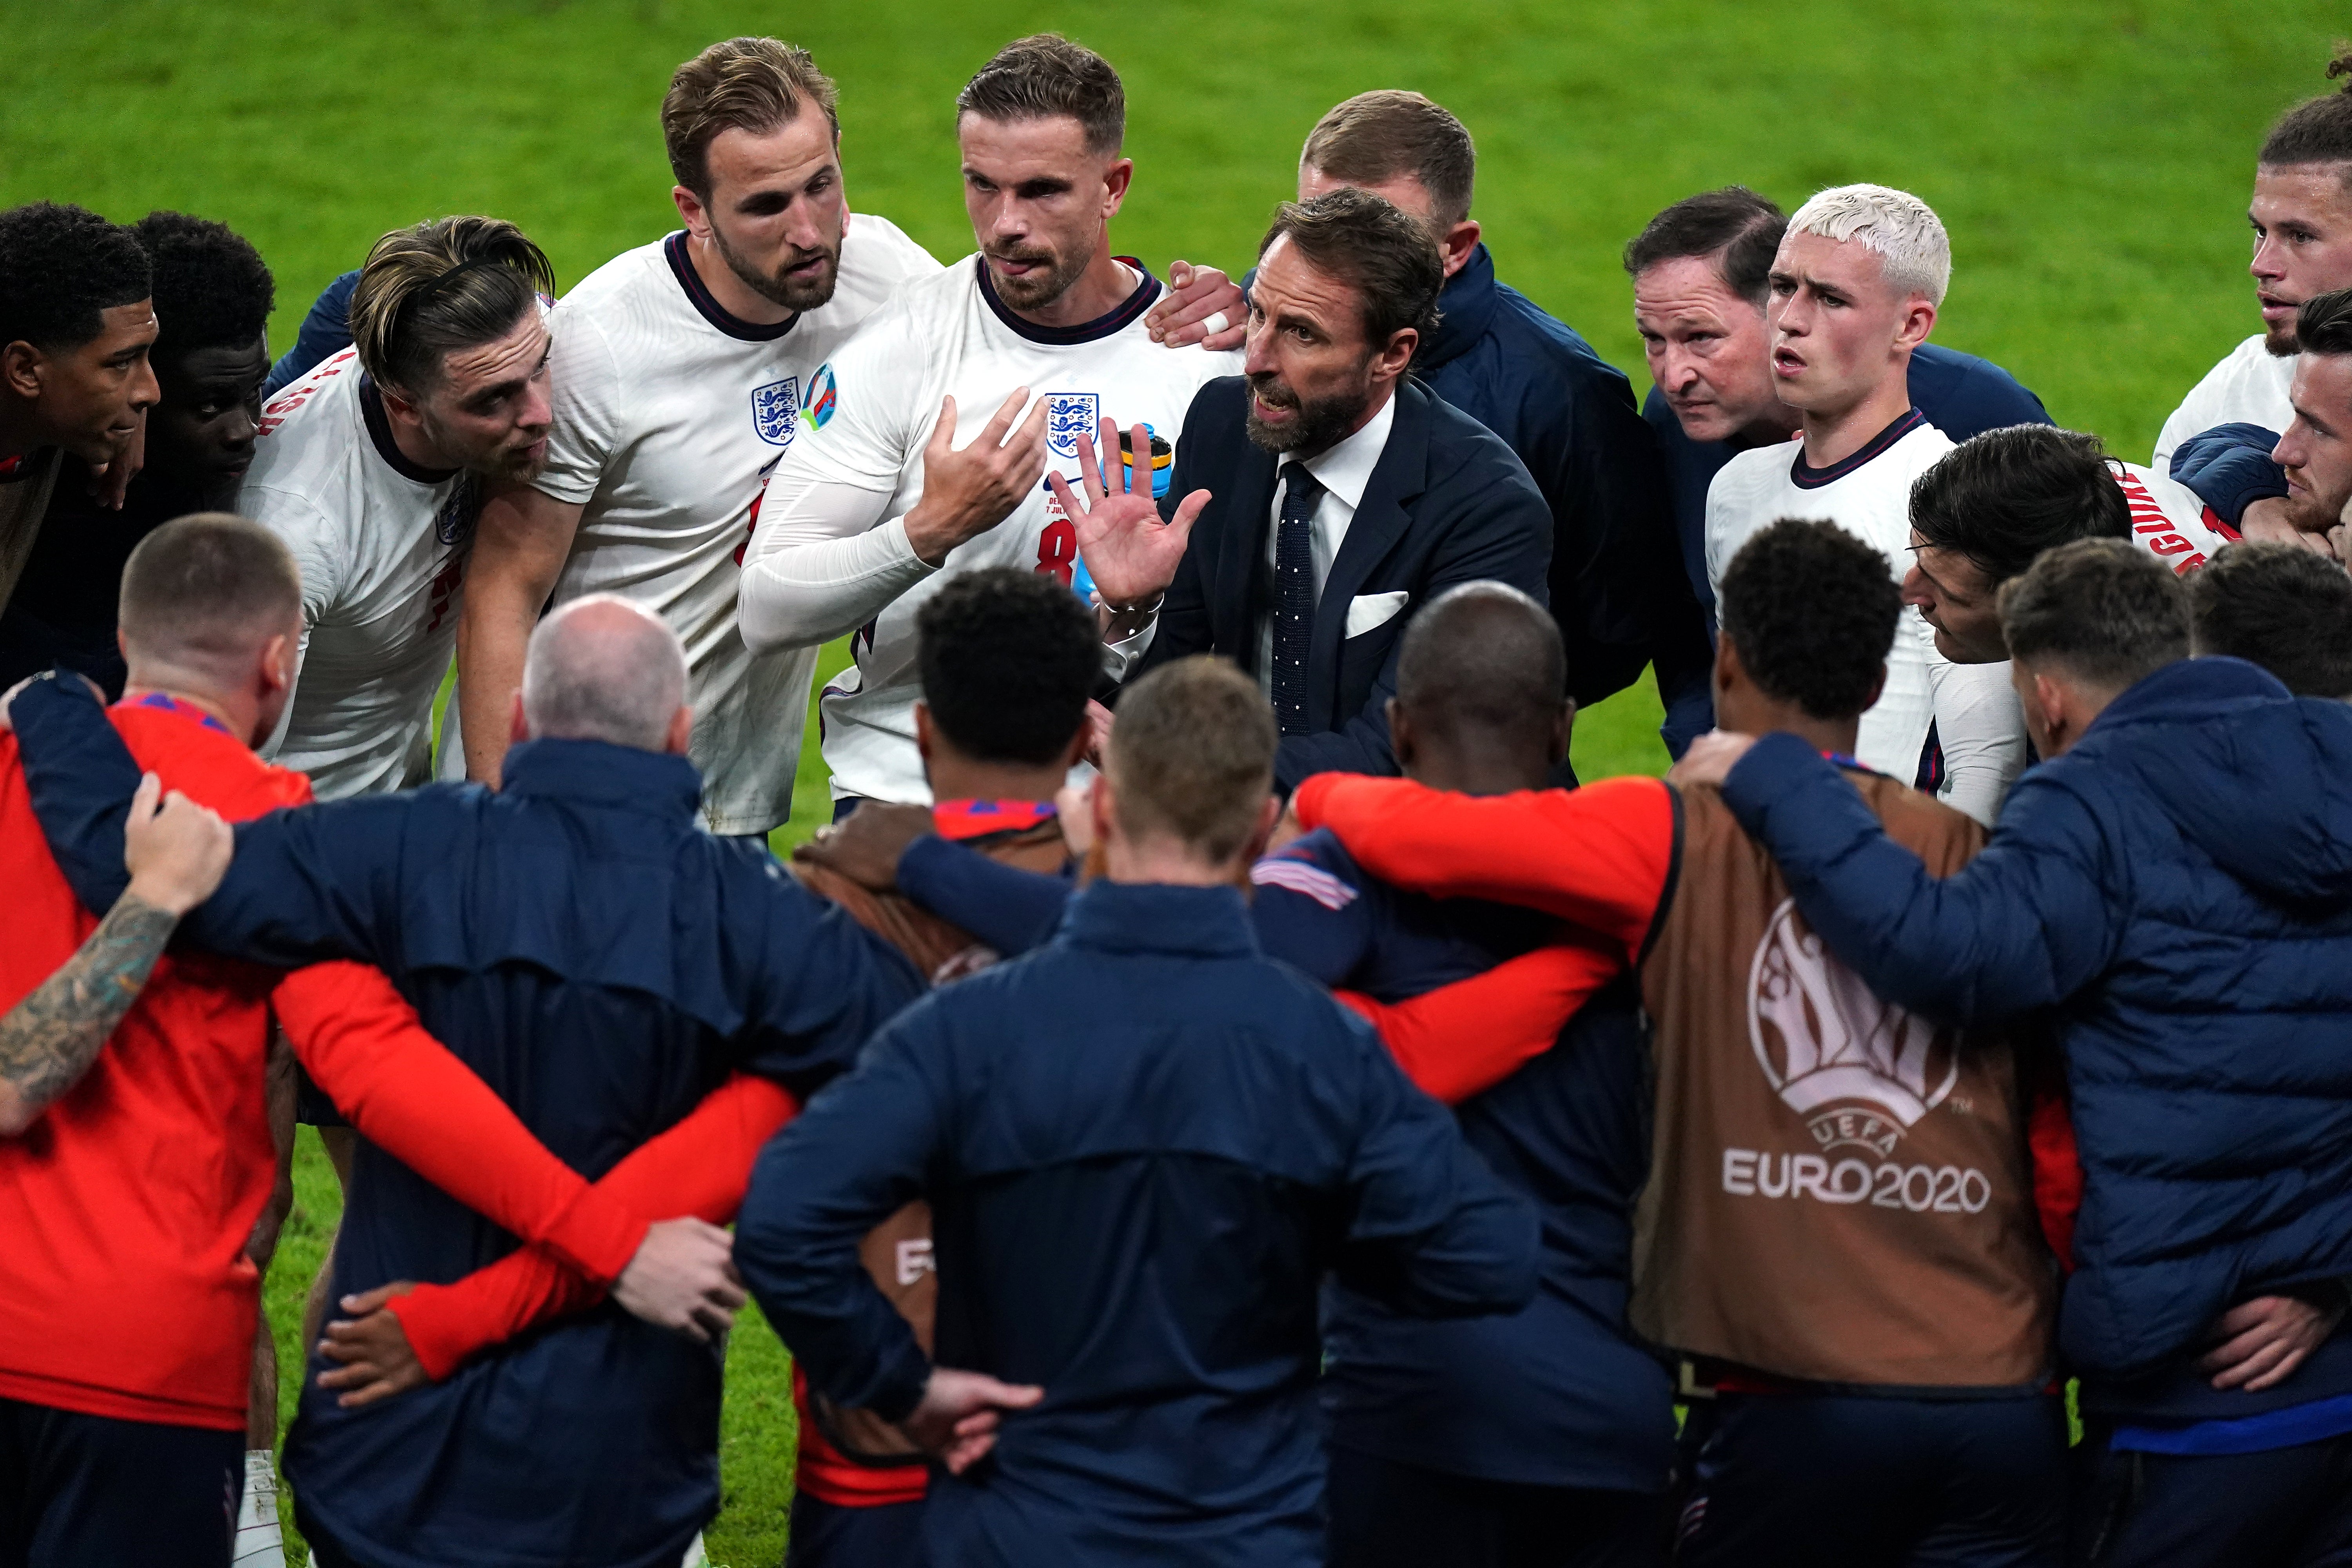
(1325, 495)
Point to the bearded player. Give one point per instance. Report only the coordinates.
(917, 463)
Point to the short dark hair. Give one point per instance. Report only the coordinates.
(2280, 606)
(1375, 137)
(2322, 323)
(2318, 130)
(1737, 228)
(212, 287)
(207, 587)
(60, 268)
(1484, 657)
(1812, 611)
(453, 283)
(1192, 755)
(1368, 243)
(738, 84)
(1008, 660)
(2104, 609)
(2001, 498)
(1044, 76)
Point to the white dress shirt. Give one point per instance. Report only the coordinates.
(1343, 470)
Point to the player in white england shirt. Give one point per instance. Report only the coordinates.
(1855, 288)
(370, 469)
(1982, 513)
(2301, 215)
(915, 463)
(681, 369)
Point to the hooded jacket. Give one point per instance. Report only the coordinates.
(2176, 890)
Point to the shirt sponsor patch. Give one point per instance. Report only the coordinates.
(775, 410)
(817, 407)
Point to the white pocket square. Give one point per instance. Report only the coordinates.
(1368, 611)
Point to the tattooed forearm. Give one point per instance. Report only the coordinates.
(48, 1040)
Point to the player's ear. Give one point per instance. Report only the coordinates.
(690, 208)
(1564, 730)
(923, 731)
(1919, 321)
(518, 727)
(1267, 815)
(1116, 180)
(20, 369)
(681, 732)
(1877, 687)
(1401, 739)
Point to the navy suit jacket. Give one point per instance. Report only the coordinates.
(1448, 503)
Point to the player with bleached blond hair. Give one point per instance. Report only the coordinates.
(1855, 288)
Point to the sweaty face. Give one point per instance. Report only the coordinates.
(200, 436)
(1709, 351)
(491, 412)
(93, 396)
(1040, 203)
(1833, 323)
(2316, 450)
(1309, 367)
(1953, 596)
(2302, 218)
(776, 210)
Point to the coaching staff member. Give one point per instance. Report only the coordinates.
(602, 961)
(1342, 494)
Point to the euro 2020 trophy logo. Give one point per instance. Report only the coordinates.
(1858, 1069)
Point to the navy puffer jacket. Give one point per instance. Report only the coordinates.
(2177, 889)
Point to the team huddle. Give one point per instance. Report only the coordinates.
(1220, 1091)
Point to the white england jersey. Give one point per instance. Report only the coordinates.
(669, 412)
(2249, 386)
(1869, 496)
(382, 544)
(873, 408)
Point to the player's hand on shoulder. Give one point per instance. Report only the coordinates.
(968, 491)
(1710, 759)
(683, 1279)
(866, 845)
(2259, 1343)
(373, 1358)
(1129, 552)
(1073, 807)
(1202, 305)
(957, 1418)
(176, 850)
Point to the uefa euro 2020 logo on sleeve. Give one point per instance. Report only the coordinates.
(1860, 1071)
(1068, 416)
(776, 410)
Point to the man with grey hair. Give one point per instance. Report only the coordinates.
(1856, 287)
(601, 963)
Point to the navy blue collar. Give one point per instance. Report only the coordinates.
(1805, 477)
(2191, 687)
(600, 774)
(681, 266)
(1464, 310)
(1160, 917)
(379, 429)
(1115, 320)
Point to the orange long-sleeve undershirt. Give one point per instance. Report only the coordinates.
(700, 1167)
(363, 1045)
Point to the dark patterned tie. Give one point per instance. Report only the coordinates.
(1294, 597)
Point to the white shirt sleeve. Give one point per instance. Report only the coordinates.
(2199, 412)
(304, 530)
(1983, 731)
(585, 381)
(831, 550)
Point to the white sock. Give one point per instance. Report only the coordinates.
(260, 1543)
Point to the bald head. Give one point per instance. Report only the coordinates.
(1482, 691)
(601, 668)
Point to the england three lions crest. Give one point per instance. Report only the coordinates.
(1068, 416)
(776, 410)
(1858, 1069)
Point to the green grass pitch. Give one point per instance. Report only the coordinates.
(2091, 161)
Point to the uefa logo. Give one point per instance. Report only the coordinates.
(1860, 1071)
(1068, 416)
